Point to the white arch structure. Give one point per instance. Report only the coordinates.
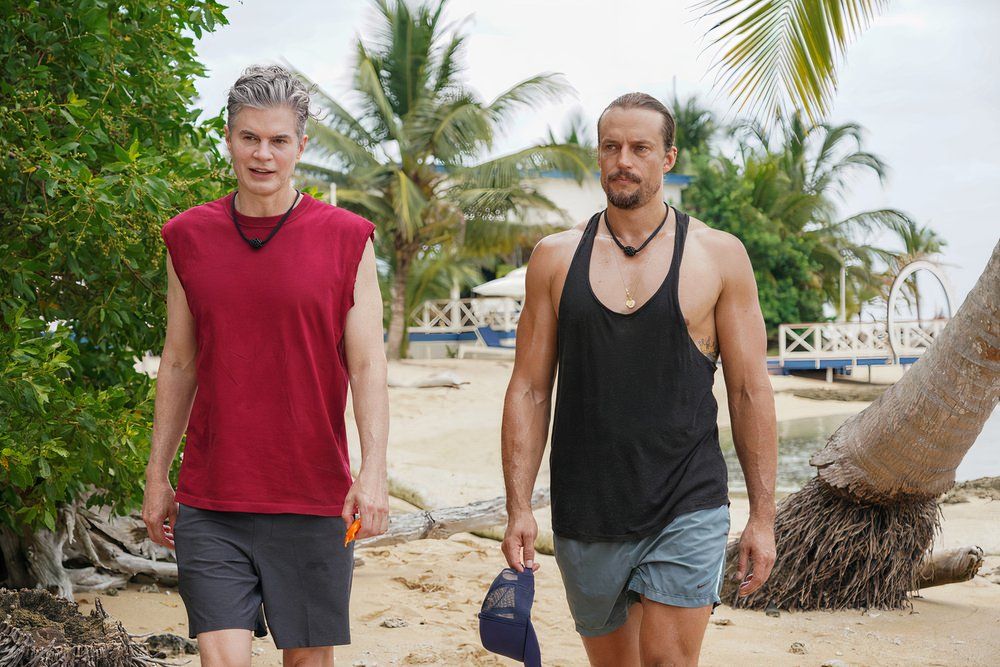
(897, 286)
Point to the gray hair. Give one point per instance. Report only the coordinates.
(269, 86)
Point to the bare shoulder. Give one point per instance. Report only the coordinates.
(716, 241)
(555, 249)
(725, 250)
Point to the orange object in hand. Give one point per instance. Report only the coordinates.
(352, 530)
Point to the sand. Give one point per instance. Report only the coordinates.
(445, 447)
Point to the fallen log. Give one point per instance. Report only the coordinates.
(950, 567)
(441, 523)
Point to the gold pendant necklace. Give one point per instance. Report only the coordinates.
(629, 298)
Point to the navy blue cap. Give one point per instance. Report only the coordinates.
(505, 619)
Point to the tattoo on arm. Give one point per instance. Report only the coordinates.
(709, 347)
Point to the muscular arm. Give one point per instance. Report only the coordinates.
(176, 385)
(743, 346)
(527, 408)
(366, 368)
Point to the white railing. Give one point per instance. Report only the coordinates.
(461, 315)
(851, 340)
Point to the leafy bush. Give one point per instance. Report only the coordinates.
(100, 146)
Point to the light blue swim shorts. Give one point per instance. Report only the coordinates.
(681, 566)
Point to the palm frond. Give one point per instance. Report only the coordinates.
(778, 55)
(337, 116)
(530, 93)
(450, 130)
(509, 170)
(500, 203)
(408, 203)
(371, 205)
(370, 85)
(487, 238)
(321, 172)
(448, 63)
(331, 142)
(886, 219)
(829, 149)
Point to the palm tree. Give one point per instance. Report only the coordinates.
(856, 534)
(780, 55)
(409, 160)
(694, 129)
(798, 179)
(919, 242)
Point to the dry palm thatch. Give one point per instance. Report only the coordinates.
(38, 628)
(836, 553)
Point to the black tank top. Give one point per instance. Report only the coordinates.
(634, 439)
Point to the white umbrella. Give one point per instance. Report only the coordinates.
(511, 285)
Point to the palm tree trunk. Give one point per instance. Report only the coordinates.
(908, 443)
(855, 536)
(397, 308)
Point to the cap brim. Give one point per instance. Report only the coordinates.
(504, 637)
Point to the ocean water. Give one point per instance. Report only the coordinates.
(798, 439)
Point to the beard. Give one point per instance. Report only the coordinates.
(627, 200)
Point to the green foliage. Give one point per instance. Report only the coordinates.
(695, 127)
(787, 279)
(100, 147)
(59, 439)
(798, 175)
(780, 200)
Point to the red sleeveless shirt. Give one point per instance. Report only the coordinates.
(267, 431)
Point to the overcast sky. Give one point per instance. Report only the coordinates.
(923, 81)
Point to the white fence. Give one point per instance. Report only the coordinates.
(461, 315)
(853, 340)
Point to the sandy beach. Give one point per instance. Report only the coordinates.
(444, 448)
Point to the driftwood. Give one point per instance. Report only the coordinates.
(950, 567)
(116, 548)
(440, 523)
(102, 552)
(443, 379)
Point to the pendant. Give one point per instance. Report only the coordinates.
(630, 251)
(256, 243)
(630, 303)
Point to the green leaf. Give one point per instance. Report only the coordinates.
(69, 117)
(776, 56)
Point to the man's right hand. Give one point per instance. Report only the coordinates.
(519, 541)
(159, 507)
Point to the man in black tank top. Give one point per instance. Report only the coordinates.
(633, 308)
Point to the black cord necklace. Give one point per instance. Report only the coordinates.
(255, 242)
(627, 249)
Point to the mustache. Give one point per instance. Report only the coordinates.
(626, 175)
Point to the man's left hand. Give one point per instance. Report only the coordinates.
(758, 552)
(369, 498)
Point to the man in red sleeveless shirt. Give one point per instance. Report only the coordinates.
(273, 309)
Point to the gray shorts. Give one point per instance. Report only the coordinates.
(233, 567)
(680, 566)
